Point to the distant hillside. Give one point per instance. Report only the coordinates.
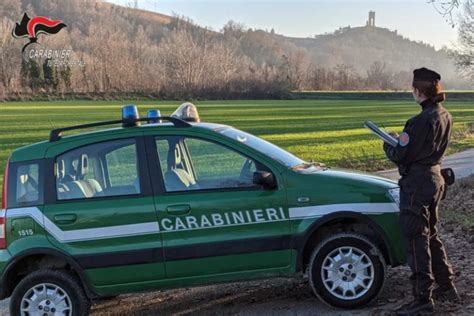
(360, 47)
(81, 15)
(135, 51)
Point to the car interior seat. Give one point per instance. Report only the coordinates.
(176, 177)
(61, 178)
(82, 187)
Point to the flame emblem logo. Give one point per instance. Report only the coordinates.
(32, 28)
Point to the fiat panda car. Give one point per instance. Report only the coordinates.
(167, 202)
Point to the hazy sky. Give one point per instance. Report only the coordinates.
(415, 19)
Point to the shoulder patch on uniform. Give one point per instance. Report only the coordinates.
(403, 139)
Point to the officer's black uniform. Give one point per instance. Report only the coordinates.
(418, 155)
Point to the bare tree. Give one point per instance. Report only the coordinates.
(234, 29)
(295, 67)
(446, 8)
(9, 57)
(183, 59)
(464, 54)
(226, 60)
(378, 77)
(317, 78)
(346, 77)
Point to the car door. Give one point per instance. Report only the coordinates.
(102, 212)
(213, 219)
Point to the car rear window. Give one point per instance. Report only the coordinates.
(25, 188)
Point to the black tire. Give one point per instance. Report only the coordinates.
(60, 278)
(360, 296)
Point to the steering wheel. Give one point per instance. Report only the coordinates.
(246, 176)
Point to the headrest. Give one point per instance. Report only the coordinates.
(174, 156)
(23, 178)
(23, 172)
(60, 169)
(171, 157)
(83, 165)
(177, 155)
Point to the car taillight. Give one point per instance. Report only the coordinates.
(3, 230)
(3, 211)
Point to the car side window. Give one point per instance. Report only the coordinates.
(122, 166)
(98, 170)
(197, 164)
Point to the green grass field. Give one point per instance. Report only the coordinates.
(328, 131)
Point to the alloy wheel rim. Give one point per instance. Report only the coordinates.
(347, 273)
(46, 299)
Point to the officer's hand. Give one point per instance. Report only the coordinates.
(393, 134)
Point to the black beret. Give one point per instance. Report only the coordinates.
(425, 74)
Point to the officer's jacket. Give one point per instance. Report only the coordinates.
(424, 139)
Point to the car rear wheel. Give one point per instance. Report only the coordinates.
(347, 270)
(48, 293)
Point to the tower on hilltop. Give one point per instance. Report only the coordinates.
(371, 20)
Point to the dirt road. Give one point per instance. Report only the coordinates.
(462, 163)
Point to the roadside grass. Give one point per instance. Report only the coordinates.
(328, 131)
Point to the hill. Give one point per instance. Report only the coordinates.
(361, 46)
(358, 48)
(119, 49)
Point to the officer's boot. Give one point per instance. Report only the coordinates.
(416, 307)
(446, 294)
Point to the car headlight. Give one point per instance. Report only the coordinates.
(395, 195)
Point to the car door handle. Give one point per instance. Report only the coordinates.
(65, 218)
(178, 209)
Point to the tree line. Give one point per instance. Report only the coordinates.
(125, 51)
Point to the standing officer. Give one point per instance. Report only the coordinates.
(418, 155)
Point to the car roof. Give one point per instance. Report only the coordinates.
(38, 150)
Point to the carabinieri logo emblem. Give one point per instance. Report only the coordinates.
(32, 28)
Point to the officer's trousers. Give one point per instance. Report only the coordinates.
(426, 255)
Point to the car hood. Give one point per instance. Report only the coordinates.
(351, 175)
(361, 175)
(337, 186)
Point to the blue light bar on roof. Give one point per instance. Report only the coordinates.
(130, 115)
(153, 116)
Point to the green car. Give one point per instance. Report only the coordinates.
(165, 202)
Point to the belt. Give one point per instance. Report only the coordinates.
(419, 168)
(426, 166)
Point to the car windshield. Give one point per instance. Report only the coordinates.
(267, 148)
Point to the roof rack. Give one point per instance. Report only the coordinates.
(56, 133)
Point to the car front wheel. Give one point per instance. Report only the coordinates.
(49, 292)
(346, 270)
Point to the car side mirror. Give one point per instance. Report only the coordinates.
(265, 179)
